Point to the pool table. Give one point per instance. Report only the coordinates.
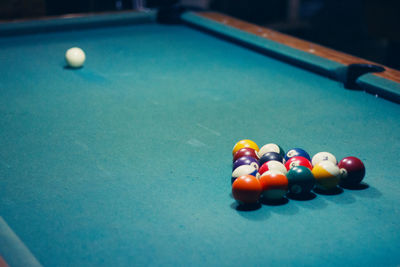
(127, 161)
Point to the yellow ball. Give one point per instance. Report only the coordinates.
(327, 175)
(244, 143)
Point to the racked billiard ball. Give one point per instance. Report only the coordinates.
(298, 161)
(297, 152)
(246, 189)
(245, 161)
(245, 152)
(321, 156)
(272, 165)
(274, 185)
(271, 148)
(244, 143)
(352, 171)
(270, 156)
(327, 175)
(243, 170)
(301, 180)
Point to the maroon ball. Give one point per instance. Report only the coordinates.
(245, 152)
(353, 171)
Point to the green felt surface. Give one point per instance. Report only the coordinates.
(127, 161)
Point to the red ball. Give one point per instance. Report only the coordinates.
(272, 165)
(298, 161)
(245, 152)
(246, 189)
(352, 171)
(263, 168)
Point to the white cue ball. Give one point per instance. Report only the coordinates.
(75, 57)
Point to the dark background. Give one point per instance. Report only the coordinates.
(365, 28)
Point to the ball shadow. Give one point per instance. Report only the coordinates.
(302, 197)
(274, 202)
(342, 199)
(360, 186)
(66, 67)
(245, 207)
(286, 210)
(360, 191)
(334, 191)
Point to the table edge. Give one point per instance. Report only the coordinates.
(297, 43)
(75, 21)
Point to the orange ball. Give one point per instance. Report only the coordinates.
(274, 185)
(246, 189)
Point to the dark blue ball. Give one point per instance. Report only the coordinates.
(294, 152)
(270, 156)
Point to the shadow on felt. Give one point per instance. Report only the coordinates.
(301, 197)
(274, 202)
(360, 186)
(66, 67)
(334, 191)
(245, 207)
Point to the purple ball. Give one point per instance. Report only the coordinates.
(245, 161)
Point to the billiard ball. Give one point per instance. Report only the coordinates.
(296, 152)
(245, 152)
(270, 156)
(321, 156)
(244, 143)
(245, 161)
(274, 186)
(243, 170)
(75, 57)
(272, 165)
(246, 189)
(268, 173)
(271, 148)
(352, 171)
(301, 181)
(327, 175)
(298, 161)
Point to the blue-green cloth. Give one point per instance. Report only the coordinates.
(127, 161)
